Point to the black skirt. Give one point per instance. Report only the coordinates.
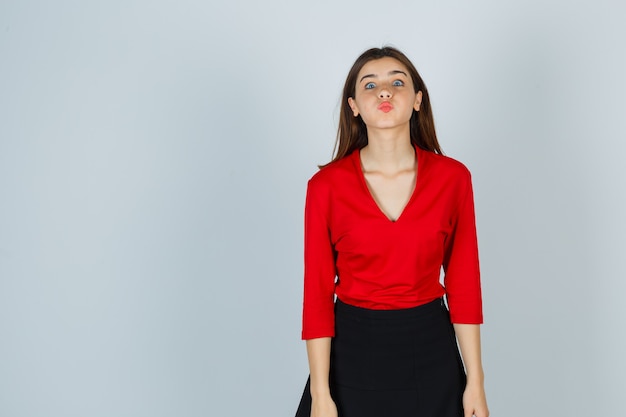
(394, 363)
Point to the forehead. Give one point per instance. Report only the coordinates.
(381, 67)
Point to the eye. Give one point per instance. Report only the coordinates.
(398, 83)
(369, 86)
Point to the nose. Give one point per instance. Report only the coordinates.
(384, 93)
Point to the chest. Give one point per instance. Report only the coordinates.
(391, 193)
(359, 225)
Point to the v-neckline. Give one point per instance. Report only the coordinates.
(366, 187)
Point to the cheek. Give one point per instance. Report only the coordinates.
(363, 103)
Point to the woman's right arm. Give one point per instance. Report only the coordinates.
(319, 288)
(318, 351)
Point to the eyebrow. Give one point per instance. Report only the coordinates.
(394, 72)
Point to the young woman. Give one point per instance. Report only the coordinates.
(381, 220)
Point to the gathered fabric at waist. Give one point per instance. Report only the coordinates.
(422, 310)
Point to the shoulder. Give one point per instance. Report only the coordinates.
(446, 164)
(444, 167)
(334, 173)
(331, 180)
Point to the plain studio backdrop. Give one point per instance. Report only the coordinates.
(153, 165)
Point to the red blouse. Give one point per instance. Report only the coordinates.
(353, 250)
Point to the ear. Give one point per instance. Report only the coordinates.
(352, 104)
(418, 101)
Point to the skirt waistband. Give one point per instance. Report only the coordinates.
(436, 305)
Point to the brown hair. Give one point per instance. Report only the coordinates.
(352, 132)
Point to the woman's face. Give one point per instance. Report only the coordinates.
(384, 94)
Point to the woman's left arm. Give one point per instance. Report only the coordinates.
(474, 399)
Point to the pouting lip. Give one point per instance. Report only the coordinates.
(385, 106)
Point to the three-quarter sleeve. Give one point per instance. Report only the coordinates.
(318, 318)
(461, 267)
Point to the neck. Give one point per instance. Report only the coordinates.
(388, 150)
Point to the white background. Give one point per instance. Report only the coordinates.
(153, 164)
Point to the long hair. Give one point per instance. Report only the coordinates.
(352, 131)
